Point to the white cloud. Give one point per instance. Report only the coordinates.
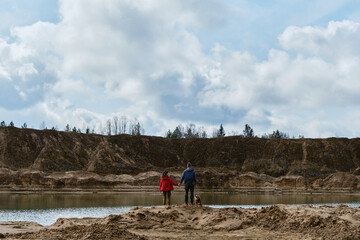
(304, 80)
(318, 68)
(124, 49)
(337, 40)
(144, 59)
(26, 69)
(122, 41)
(4, 75)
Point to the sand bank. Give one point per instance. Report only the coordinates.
(190, 222)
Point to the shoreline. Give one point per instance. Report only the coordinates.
(192, 222)
(210, 180)
(150, 189)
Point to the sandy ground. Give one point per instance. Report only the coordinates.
(191, 222)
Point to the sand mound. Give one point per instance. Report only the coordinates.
(180, 222)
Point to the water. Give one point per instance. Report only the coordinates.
(46, 208)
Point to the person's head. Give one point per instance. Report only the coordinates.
(165, 173)
(188, 165)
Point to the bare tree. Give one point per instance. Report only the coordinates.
(116, 124)
(201, 132)
(123, 125)
(101, 129)
(136, 129)
(43, 125)
(191, 131)
(108, 127)
(215, 133)
(234, 133)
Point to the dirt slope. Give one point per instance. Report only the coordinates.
(55, 159)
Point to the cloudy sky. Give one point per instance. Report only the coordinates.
(287, 65)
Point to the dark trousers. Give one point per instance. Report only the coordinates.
(166, 195)
(191, 188)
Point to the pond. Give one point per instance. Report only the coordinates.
(46, 208)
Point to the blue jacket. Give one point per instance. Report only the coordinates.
(188, 176)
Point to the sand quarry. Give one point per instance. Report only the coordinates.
(194, 222)
(34, 160)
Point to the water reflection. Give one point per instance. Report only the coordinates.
(10, 201)
(45, 209)
(270, 199)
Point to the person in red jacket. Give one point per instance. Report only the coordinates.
(166, 186)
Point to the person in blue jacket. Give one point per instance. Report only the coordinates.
(189, 179)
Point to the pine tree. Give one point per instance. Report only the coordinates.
(248, 132)
(278, 134)
(221, 131)
(191, 131)
(168, 134)
(178, 132)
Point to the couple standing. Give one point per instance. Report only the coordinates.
(189, 179)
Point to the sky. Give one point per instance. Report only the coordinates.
(292, 66)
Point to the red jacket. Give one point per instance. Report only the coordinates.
(166, 184)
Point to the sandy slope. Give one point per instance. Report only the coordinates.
(53, 160)
(189, 222)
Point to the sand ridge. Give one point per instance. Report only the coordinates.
(191, 222)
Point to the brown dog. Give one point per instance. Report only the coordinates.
(198, 200)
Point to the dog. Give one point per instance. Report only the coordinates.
(198, 200)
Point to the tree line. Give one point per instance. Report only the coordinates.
(113, 126)
(122, 125)
(190, 131)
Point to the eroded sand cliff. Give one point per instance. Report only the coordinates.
(52, 160)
